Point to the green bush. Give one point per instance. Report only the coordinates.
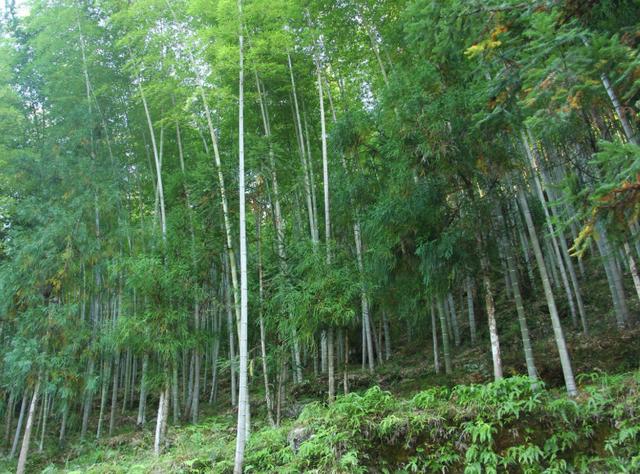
(506, 425)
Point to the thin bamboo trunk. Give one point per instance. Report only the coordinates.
(387, 336)
(281, 391)
(565, 361)
(45, 415)
(195, 396)
(445, 337)
(363, 343)
(225, 207)
(16, 437)
(366, 319)
(613, 277)
(524, 244)
(378, 338)
(562, 252)
(88, 399)
(633, 268)
(454, 319)
(331, 365)
(158, 431)
(505, 272)
(327, 228)
(376, 50)
(471, 310)
(174, 392)
(165, 411)
(312, 179)
(277, 211)
(114, 393)
(434, 334)
(323, 351)
(142, 404)
(24, 450)
(8, 418)
(63, 423)
(214, 356)
(313, 222)
(243, 396)
(187, 405)
(232, 350)
(40, 416)
(517, 296)
(491, 315)
(447, 317)
(345, 370)
(158, 164)
(103, 395)
(205, 370)
(263, 344)
(620, 113)
(550, 260)
(552, 237)
(126, 379)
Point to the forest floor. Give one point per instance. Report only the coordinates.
(406, 418)
(394, 420)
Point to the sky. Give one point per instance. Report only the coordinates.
(22, 8)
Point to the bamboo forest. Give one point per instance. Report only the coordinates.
(319, 236)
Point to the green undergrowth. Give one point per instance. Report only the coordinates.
(504, 426)
(498, 427)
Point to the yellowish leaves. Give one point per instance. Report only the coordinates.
(580, 244)
(497, 31)
(481, 164)
(575, 100)
(618, 201)
(530, 100)
(501, 98)
(548, 81)
(67, 254)
(56, 280)
(480, 47)
(488, 44)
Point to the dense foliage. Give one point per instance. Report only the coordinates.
(193, 193)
